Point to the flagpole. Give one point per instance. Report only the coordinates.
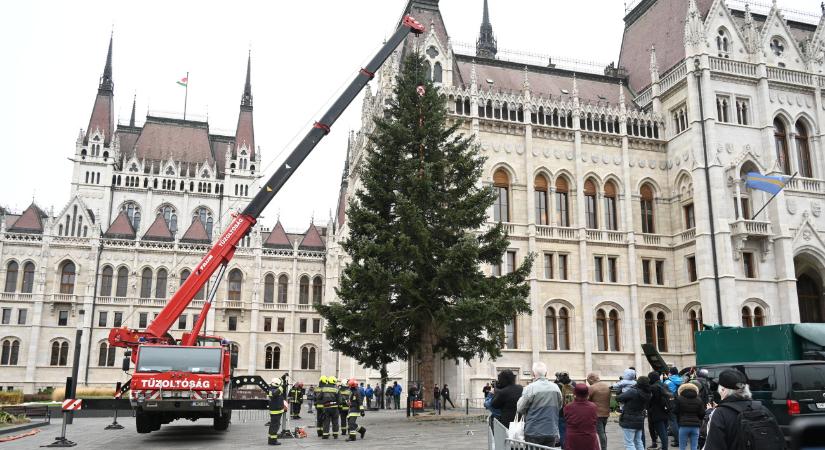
(773, 196)
(186, 95)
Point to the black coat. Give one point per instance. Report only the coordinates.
(658, 398)
(505, 400)
(689, 409)
(721, 428)
(636, 401)
(445, 392)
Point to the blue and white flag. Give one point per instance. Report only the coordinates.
(767, 183)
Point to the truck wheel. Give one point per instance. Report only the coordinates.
(143, 423)
(221, 423)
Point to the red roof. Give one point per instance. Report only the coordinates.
(31, 221)
(196, 233)
(159, 230)
(312, 239)
(278, 237)
(121, 228)
(662, 25)
(101, 118)
(183, 140)
(245, 133)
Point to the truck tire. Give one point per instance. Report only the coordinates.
(143, 423)
(221, 422)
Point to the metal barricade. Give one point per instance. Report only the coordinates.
(497, 440)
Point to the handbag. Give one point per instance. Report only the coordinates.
(516, 430)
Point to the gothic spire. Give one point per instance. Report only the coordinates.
(132, 117)
(486, 43)
(246, 100)
(106, 83)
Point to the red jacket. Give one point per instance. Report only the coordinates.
(581, 417)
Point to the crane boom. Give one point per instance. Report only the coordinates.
(224, 249)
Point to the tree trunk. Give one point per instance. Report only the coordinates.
(384, 378)
(427, 367)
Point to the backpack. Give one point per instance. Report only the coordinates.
(756, 428)
(668, 401)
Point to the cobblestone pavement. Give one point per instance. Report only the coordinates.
(386, 430)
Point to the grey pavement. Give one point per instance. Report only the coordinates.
(386, 429)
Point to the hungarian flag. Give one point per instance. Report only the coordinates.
(184, 81)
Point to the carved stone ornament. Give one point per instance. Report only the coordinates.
(816, 208)
(806, 234)
(790, 204)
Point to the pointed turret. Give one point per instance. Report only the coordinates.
(312, 239)
(102, 112)
(277, 238)
(486, 44)
(132, 117)
(245, 133)
(694, 27)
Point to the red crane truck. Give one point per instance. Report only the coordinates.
(191, 378)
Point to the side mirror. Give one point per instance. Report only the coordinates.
(127, 359)
(233, 360)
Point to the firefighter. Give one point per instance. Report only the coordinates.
(356, 409)
(296, 395)
(319, 406)
(276, 409)
(329, 399)
(343, 404)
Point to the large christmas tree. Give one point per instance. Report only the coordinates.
(418, 243)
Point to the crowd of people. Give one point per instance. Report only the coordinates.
(684, 409)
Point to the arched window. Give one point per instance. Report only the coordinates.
(205, 216)
(601, 330)
(780, 136)
(758, 317)
(428, 73)
(610, 218)
(308, 358)
(646, 202)
(106, 276)
(747, 317)
(11, 276)
(132, 211)
(146, 283)
(67, 277)
(317, 290)
(607, 330)
(28, 278)
(557, 325)
(613, 333)
(283, 288)
(804, 150)
(59, 353)
(695, 322)
(303, 292)
(501, 185)
(106, 355)
(562, 202)
(272, 357)
(540, 187)
(723, 43)
(269, 288)
(437, 73)
(170, 215)
(235, 281)
(122, 282)
(590, 209)
(184, 274)
(160, 284)
(10, 352)
(661, 331)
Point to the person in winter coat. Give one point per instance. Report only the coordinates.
(437, 398)
(657, 412)
(389, 397)
(672, 383)
(445, 396)
(600, 395)
(632, 421)
(689, 411)
(704, 386)
(581, 416)
(722, 430)
(628, 380)
(540, 403)
(506, 396)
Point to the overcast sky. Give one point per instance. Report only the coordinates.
(302, 53)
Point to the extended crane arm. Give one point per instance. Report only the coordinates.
(224, 248)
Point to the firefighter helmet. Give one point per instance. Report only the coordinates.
(276, 382)
(331, 380)
(323, 379)
(300, 384)
(352, 382)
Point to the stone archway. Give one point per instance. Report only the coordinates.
(809, 288)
